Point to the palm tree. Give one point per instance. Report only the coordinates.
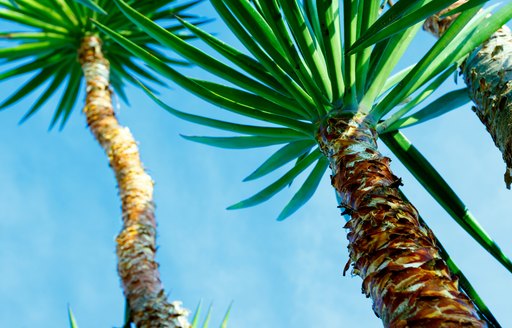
(327, 103)
(488, 74)
(65, 48)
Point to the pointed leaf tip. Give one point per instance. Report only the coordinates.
(93, 6)
(72, 321)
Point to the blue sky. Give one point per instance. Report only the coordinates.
(60, 214)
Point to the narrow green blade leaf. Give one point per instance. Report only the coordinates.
(438, 107)
(69, 97)
(463, 7)
(432, 181)
(92, 5)
(376, 34)
(198, 90)
(395, 78)
(284, 155)
(329, 20)
(253, 100)
(72, 321)
(282, 182)
(261, 31)
(247, 63)
(127, 315)
(308, 44)
(239, 142)
(33, 65)
(424, 94)
(224, 323)
(194, 54)
(468, 31)
(276, 20)
(349, 38)
(29, 87)
(484, 311)
(286, 80)
(306, 191)
(197, 313)
(464, 283)
(208, 318)
(227, 126)
(388, 54)
(29, 49)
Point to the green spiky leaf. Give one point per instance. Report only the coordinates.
(49, 41)
(284, 155)
(282, 182)
(306, 191)
(239, 142)
(442, 105)
(432, 181)
(401, 16)
(93, 6)
(72, 320)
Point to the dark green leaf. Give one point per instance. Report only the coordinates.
(284, 155)
(282, 182)
(440, 106)
(92, 5)
(239, 142)
(224, 323)
(432, 181)
(227, 126)
(72, 321)
(424, 94)
(307, 190)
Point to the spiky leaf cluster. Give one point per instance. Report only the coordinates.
(311, 59)
(49, 33)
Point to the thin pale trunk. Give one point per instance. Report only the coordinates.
(136, 242)
(394, 254)
(488, 74)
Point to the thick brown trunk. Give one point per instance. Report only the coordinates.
(394, 254)
(136, 242)
(488, 74)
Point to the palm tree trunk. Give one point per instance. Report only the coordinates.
(136, 242)
(488, 75)
(394, 254)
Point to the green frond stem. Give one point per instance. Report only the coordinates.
(395, 255)
(488, 74)
(136, 244)
(350, 36)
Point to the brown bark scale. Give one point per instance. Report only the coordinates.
(136, 244)
(488, 75)
(394, 254)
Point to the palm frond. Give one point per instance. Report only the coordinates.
(50, 38)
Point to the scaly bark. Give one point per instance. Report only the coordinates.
(136, 242)
(488, 74)
(394, 254)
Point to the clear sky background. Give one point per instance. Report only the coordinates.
(59, 215)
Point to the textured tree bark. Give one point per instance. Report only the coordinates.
(488, 74)
(394, 254)
(136, 245)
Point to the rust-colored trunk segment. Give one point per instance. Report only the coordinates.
(136, 242)
(488, 74)
(394, 254)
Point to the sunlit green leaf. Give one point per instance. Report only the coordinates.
(282, 182)
(239, 142)
(72, 321)
(442, 105)
(92, 5)
(284, 155)
(432, 181)
(306, 191)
